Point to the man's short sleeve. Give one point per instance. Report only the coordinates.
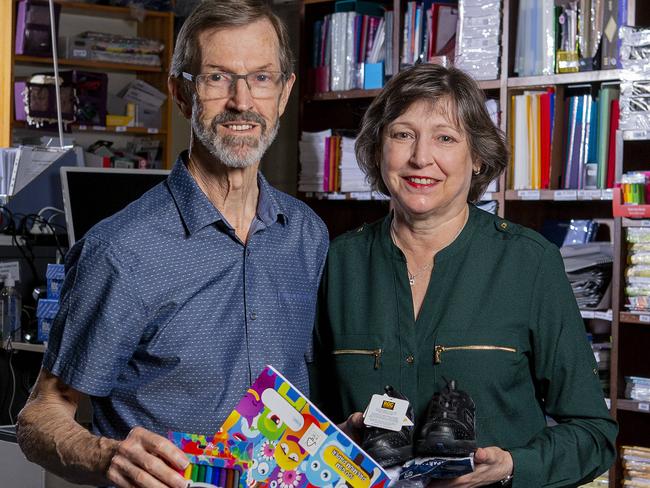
(100, 321)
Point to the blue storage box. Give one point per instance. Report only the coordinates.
(45, 313)
(373, 75)
(54, 275)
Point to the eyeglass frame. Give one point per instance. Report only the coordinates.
(234, 78)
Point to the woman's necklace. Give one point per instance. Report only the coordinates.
(412, 276)
(419, 272)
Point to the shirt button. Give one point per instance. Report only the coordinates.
(252, 315)
(248, 252)
(410, 359)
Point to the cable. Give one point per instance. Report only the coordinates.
(13, 381)
(55, 213)
(25, 228)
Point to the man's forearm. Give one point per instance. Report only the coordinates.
(54, 440)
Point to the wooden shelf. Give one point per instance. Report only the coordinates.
(633, 405)
(354, 94)
(19, 124)
(89, 63)
(353, 195)
(597, 314)
(364, 196)
(634, 318)
(489, 84)
(565, 78)
(636, 135)
(343, 95)
(628, 222)
(26, 346)
(560, 195)
(105, 10)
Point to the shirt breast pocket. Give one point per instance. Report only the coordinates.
(297, 309)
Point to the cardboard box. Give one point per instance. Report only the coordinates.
(54, 275)
(276, 437)
(45, 313)
(373, 76)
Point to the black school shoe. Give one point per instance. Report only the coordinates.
(387, 447)
(449, 429)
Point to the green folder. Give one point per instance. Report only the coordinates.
(607, 94)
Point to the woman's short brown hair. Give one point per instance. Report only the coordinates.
(434, 83)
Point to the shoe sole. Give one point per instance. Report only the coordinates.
(444, 447)
(391, 457)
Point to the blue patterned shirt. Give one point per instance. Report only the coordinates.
(167, 317)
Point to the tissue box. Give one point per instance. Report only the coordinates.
(45, 313)
(373, 75)
(54, 275)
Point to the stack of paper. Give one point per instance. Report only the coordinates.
(344, 74)
(602, 355)
(637, 388)
(478, 46)
(7, 163)
(589, 269)
(636, 465)
(535, 43)
(312, 160)
(637, 273)
(352, 178)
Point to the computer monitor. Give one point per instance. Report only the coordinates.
(92, 194)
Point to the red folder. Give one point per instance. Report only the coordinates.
(545, 140)
(611, 155)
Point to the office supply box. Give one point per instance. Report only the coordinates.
(54, 275)
(275, 437)
(45, 313)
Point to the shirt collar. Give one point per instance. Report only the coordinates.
(456, 245)
(198, 212)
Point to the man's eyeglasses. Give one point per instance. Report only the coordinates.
(218, 84)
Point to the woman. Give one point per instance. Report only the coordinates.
(440, 290)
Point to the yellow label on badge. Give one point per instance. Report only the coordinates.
(388, 405)
(345, 467)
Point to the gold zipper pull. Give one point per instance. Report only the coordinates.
(377, 354)
(437, 353)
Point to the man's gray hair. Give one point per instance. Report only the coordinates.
(216, 14)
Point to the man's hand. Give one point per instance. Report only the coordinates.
(353, 427)
(147, 460)
(491, 465)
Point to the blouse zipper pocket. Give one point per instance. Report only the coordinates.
(438, 350)
(366, 352)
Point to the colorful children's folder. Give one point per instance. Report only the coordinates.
(276, 438)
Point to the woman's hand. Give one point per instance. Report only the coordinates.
(491, 465)
(353, 427)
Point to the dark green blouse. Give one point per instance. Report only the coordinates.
(498, 317)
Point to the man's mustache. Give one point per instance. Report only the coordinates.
(233, 116)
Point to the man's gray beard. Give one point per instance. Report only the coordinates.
(223, 148)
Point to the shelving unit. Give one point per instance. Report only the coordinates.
(344, 110)
(26, 346)
(153, 25)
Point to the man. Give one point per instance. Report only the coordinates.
(171, 307)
